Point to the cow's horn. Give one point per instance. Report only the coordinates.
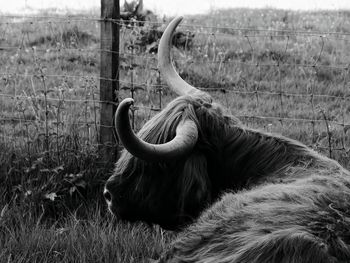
(184, 141)
(166, 68)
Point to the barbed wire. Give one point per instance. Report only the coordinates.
(55, 76)
(221, 90)
(213, 34)
(187, 61)
(137, 107)
(134, 23)
(299, 32)
(52, 99)
(98, 145)
(287, 119)
(23, 120)
(50, 19)
(345, 97)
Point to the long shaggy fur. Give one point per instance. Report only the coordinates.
(307, 220)
(266, 198)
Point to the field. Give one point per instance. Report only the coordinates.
(280, 71)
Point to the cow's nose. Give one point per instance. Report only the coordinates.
(107, 195)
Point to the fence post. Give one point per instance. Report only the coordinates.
(109, 76)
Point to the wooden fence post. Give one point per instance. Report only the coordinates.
(109, 77)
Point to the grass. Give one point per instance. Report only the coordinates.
(95, 239)
(51, 170)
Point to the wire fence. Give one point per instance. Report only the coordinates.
(294, 82)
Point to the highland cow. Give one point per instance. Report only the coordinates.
(247, 196)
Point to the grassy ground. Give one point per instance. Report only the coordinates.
(51, 172)
(95, 238)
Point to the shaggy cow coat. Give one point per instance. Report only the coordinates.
(306, 220)
(268, 198)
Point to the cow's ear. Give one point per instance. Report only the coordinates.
(195, 187)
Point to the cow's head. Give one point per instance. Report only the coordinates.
(165, 174)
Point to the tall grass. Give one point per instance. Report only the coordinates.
(95, 238)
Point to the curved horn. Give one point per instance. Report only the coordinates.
(166, 68)
(184, 141)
